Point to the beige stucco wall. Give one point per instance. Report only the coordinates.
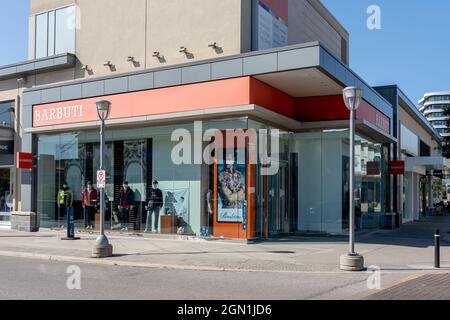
(113, 30)
(8, 89)
(37, 6)
(409, 122)
(193, 24)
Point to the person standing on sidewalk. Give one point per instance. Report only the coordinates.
(154, 205)
(126, 200)
(65, 200)
(89, 202)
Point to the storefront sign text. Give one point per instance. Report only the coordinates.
(382, 122)
(397, 167)
(58, 113)
(6, 147)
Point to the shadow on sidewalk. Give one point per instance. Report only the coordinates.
(419, 234)
(200, 253)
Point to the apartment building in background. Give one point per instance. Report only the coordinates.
(433, 106)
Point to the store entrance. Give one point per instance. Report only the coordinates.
(276, 202)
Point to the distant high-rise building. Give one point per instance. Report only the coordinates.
(433, 106)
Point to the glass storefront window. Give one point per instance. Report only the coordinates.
(187, 193)
(230, 197)
(6, 197)
(324, 182)
(368, 181)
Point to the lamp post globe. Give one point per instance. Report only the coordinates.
(352, 261)
(352, 98)
(102, 248)
(103, 109)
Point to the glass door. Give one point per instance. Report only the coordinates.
(135, 173)
(278, 219)
(273, 202)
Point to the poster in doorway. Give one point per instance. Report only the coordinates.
(231, 192)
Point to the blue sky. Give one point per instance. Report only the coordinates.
(13, 31)
(412, 49)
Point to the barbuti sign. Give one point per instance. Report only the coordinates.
(58, 113)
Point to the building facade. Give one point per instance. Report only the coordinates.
(235, 108)
(419, 146)
(433, 106)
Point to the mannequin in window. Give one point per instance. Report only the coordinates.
(126, 200)
(89, 202)
(154, 205)
(65, 200)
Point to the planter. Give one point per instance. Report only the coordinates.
(24, 221)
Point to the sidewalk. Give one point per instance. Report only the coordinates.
(409, 249)
(425, 287)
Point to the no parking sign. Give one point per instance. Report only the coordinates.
(101, 177)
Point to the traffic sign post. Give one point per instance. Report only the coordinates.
(101, 179)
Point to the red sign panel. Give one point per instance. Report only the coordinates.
(397, 167)
(333, 108)
(24, 160)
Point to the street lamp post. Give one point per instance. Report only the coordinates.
(352, 261)
(102, 248)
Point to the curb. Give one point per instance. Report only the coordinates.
(119, 263)
(93, 261)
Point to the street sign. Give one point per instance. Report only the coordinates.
(24, 160)
(101, 177)
(397, 167)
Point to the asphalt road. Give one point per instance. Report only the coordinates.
(36, 279)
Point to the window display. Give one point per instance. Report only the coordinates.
(137, 156)
(154, 205)
(147, 192)
(89, 203)
(126, 204)
(176, 203)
